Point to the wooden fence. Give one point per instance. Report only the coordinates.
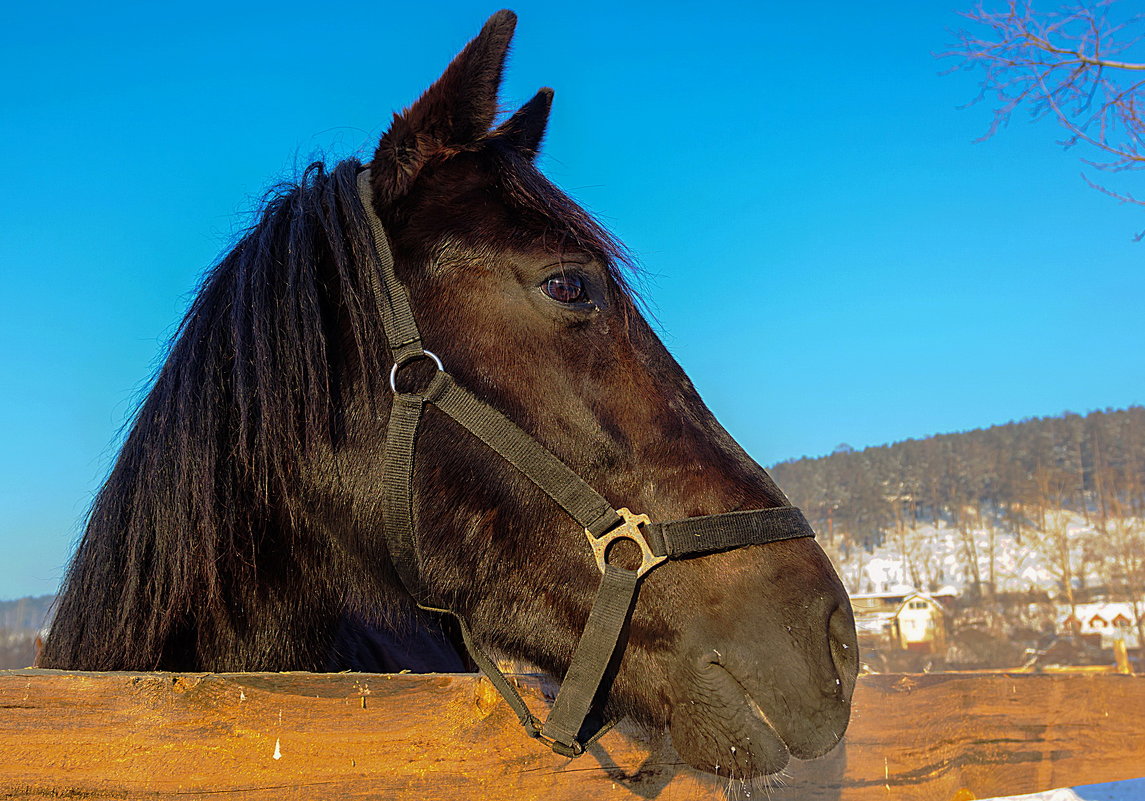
(283, 736)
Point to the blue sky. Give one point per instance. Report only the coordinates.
(828, 252)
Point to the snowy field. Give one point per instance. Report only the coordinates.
(1132, 790)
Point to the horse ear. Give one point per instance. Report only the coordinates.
(454, 112)
(526, 128)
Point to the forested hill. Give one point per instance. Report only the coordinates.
(26, 614)
(1008, 475)
(20, 621)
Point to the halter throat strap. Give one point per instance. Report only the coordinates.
(564, 729)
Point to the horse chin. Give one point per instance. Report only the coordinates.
(718, 727)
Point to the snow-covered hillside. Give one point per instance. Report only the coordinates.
(1061, 549)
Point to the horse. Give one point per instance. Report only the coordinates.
(240, 526)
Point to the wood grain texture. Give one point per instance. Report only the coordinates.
(365, 736)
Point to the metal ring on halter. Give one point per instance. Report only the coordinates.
(422, 355)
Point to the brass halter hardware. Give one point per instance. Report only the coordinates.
(628, 530)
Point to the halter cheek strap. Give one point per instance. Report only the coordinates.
(603, 525)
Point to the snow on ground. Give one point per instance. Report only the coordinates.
(1131, 790)
(929, 556)
(1049, 795)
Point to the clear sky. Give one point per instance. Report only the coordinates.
(829, 253)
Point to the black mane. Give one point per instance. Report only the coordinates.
(195, 546)
(202, 502)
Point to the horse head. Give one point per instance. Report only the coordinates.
(746, 655)
(242, 519)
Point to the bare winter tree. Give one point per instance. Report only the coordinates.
(1125, 544)
(1076, 65)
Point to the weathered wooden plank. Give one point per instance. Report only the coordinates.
(365, 736)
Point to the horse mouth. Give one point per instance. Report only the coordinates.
(720, 728)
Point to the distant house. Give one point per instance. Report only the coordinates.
(1107, 621)
(920, 624)
(908, 621)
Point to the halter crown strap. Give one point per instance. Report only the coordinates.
(603, 524)
(398, 321)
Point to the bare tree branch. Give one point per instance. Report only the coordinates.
(1066, 65)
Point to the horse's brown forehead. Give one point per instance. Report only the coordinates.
(488, 202)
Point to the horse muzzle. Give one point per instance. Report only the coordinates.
(743, 704)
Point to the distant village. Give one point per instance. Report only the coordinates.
(1019, 546)
(904, 630)
(1013, 608)
(1022, 617)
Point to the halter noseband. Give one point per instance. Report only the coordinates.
(603, 525)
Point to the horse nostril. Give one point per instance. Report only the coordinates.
(844, 649)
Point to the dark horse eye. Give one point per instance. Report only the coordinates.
(565, 288)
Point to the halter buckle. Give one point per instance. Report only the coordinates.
(628, 530)
(570, 751)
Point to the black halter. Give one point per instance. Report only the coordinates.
(603, 525)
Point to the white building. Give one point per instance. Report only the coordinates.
(1112, 621)
(910, 620)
